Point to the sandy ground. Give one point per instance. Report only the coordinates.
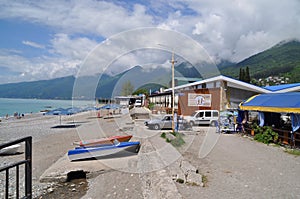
(236, 167)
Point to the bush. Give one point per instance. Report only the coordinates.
(265, 135)
(151, 106)
(163, 135)
(176, 142)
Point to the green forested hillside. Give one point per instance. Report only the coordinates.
(60, 88)
(281, 60)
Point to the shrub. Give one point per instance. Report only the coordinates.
(151, 106)
(178, 141)
(295, 152)
(163, 135)
(265, 135)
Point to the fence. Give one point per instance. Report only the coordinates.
(284, 136)
(28, 168)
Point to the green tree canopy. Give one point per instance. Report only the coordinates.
(127, 88)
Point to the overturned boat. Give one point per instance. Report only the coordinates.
(101, 151)
(103, 141)
(10, 150)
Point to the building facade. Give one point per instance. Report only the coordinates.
(216, 93)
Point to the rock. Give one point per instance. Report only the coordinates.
(73, 190)
(194, 179)
(170, 136)
(50, 190)
(186, 166)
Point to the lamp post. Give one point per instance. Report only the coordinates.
(173, 85)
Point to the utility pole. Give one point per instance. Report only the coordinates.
(173, 85)
(173, 92)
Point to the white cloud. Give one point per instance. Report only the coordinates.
(237, 29)
(87, 17)
(33, 44)
(230, 30)
(30, 69)
(73, 48)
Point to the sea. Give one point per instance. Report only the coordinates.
(25, 106)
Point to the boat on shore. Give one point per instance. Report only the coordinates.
(81, 153)
(103, 141)
(10, 150)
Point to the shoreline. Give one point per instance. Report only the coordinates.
(10, 106)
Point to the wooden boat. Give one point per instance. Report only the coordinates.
(104, 141)
(81, 153)
(10, 150)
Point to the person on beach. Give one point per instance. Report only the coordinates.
(176, 123)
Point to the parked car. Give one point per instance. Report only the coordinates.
(166, 123)
(203, 117)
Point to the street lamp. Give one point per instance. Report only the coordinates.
(173, 85)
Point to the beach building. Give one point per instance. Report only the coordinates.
(216, 93)
(270, 108)
(129, 100)
(275, 103)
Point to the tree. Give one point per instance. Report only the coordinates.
(242, 74)
(247, 75)
(127, 88)
(141, 91)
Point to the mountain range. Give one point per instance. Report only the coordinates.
(282, 59)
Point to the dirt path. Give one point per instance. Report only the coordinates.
(241, 168)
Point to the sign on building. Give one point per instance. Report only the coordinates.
(195, 99)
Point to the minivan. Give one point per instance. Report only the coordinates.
(138, 103)
(201, 117)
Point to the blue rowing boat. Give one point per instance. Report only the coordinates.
(81, 153)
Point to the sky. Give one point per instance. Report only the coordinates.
(53, 38)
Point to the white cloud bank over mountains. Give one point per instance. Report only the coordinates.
(231, 30)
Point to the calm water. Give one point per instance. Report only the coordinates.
(10, 106)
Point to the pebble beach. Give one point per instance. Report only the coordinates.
(236, 167)
(48, 144)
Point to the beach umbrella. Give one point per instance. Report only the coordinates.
(60, 112)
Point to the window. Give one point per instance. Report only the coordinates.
(208, 114)
(167, 118)
(200, 114)
(215, 114)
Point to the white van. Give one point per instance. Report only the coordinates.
(208, 117)
(138, 103)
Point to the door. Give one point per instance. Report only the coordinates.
(167, 122)
(199, 118)
(204, 117)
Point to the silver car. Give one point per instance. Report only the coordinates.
(165, 123)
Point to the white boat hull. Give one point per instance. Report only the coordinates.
(10, 150)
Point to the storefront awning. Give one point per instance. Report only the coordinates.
(273, 102)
